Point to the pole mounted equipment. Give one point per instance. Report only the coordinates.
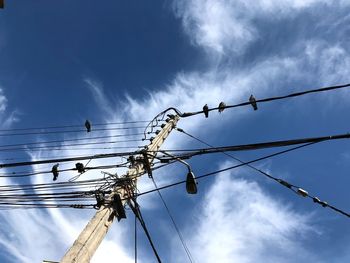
(90, 238)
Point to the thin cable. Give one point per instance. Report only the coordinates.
(135, 239)
(290, 186)
(73, 126)
(230, 168)
(229, 155)
(73, 140)
(282, 182)
(188, 253)
(137, 212)
(67, 131)
(291, 95)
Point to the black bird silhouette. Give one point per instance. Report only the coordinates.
(55, 171)
(88, 126)
(222, 106)
(252, 101)
(206, 110)
(80, 167)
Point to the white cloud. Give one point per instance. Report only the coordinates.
(239, 222)
(227, 26)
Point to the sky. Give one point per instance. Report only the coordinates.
(62, 62)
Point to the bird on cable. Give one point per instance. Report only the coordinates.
(55, 171)
(206, 110)
(252, 101)
(222, 106)
(88, 126)
(80, 167)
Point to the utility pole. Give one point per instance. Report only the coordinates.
(90, 238)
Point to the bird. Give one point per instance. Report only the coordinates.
(88, 126)
(55, 171)
(252, 101)
(206, 110)
(80, 167)
(222, 106)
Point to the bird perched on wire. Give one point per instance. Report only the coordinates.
(222, 106)
(88, 126)
(80, 167)
(206, 110)
(252, 101)
(54, 171)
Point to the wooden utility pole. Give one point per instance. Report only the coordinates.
(90, 238)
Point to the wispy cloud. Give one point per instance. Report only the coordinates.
(239, 222)
(228, 26)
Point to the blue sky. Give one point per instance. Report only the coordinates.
(65, 61)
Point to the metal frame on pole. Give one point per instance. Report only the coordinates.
(90, 238)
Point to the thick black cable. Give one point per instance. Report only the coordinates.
(192, 152)
(182, 240)
(78, 158)
(282, 182)
(229, 168)
(256, 146)
(24, 174)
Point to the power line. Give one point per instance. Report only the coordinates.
(291, 95)
(136, 209)
(254, 146)
(73, 126)
(73, 140)
(190, 152)
(293, 188)
(67, 131)
(188, 252)
(29, 147)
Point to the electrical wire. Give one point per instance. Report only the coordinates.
(188, 252)
(73, 140)
(255, 146)
(74, 126)
(67, 131)
(294, 188)
(136, 209)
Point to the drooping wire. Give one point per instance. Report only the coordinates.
(183, 242)
(294, 188)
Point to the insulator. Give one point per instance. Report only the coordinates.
(302, 192)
